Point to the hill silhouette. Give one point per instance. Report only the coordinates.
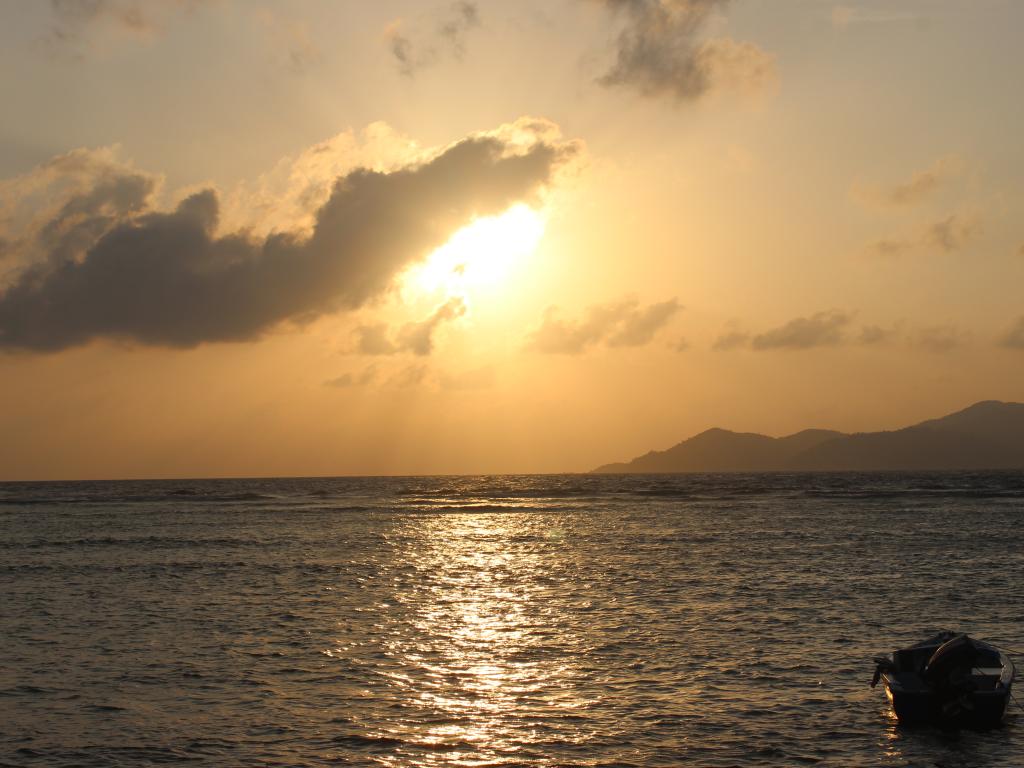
(987, 435)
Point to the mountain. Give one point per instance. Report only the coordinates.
(987, 435)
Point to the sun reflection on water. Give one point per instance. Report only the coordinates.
(468, 645)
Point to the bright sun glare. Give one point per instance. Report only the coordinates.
(482, 253)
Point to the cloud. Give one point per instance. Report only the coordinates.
(402, 378)
(72, 17)
(661, 52)
(890, 248)
(823, 329)
(622, 324)
(952, 233)
(410, 376)
(949, 235)
(476, 379)
(940, 339)
(375, 340)
(447, 37)
(349, 380)
(77, 22)
(914, 190)
(168, 278)
(292, 39)
(417, 338)
(61, 206)
(844, 16)
(287, 198)
(637, 327)
(731, 340)
(875, 334)
(1014, 338)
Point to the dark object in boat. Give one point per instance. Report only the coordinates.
(950, 680)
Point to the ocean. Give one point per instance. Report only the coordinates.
(570, 620)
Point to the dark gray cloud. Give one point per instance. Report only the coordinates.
(417, 338)
(661, 50)
(622, 324)
(86, 216)
(447, 37)
(1014, 338)
(167, 278)
(823, 329)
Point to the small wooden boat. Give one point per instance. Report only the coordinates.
(950, 680)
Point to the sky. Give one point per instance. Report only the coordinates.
(329, 237)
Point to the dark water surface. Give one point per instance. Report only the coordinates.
(562, 620)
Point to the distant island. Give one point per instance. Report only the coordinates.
(987, 435)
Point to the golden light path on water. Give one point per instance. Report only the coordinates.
(470, 642)
(484, 610)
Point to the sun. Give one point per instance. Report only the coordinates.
(481, 254)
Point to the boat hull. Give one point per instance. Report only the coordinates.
(980, 710)
(950, 680)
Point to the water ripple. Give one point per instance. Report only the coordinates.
(564, 620)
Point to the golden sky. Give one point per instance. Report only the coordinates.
(327, 237)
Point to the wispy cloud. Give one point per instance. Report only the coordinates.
(73, 18)
(404, 377)
(445, 35)
(662, 51)
(621, 324)
(348, 380)
(949, 235)
(823, 329)
(844, 16)
(953, 232)
(1014, 337)
(876, 334)
(416, 338)
(940, 339)
(731, 340)
(292, 39)
(912, 191)
(474, 379)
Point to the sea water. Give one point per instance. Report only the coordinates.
(697, 620)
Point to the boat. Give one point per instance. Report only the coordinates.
(950, 680)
